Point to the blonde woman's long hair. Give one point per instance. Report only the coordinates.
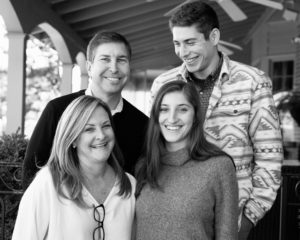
(64, 163)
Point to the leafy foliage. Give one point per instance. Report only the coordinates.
(13, 147)
(12, 153)
(43, 80)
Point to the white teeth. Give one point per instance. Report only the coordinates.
(112, 79)
(99, 145)
(189, 60)
(172, 128)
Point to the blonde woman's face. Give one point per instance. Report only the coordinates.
(94, 145)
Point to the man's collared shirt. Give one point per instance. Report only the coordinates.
(119, 107)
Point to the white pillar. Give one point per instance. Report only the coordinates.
(297, 61)
(66, 81)
(84, 80)
(16, 82)
(84, 77)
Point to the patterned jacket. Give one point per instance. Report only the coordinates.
(242, 120)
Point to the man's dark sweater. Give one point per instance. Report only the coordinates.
(130, 128)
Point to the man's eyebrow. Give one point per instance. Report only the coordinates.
(190, 39)
(123, 56)
(103, 55)
(185, 40)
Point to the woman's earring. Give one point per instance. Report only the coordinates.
(74, 146)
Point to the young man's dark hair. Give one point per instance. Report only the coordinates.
(199, 14)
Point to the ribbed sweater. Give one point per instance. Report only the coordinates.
(198, 200)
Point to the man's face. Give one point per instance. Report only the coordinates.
(196, 52)
(109, 71)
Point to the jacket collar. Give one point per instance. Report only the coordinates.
(223, 76)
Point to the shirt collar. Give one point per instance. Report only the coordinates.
(223, 73)
(119, 107)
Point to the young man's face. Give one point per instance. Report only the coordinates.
(110, 69)
(194, 50)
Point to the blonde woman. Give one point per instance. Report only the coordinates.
(82, 192)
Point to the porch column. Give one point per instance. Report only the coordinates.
(297, 59)
(16, 81)
(66, 83)
(84, 77)
(84, 80)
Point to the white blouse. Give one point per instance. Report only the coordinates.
(43, 215)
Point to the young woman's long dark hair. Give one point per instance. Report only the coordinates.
(148, 168)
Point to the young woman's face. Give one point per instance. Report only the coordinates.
(176, 118)
(97, 139)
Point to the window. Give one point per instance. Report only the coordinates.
(282, 73)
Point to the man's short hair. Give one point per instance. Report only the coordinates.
(106, 37)
(196, 13)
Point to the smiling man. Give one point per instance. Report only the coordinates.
(237, 108)
(108, 65)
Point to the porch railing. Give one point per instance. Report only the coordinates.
(10, 195)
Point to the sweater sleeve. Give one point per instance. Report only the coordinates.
(33, 214)
(265, 134)
(226, 210)
(39, 146)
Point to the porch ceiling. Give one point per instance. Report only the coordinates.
(144, 25)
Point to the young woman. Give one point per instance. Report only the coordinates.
(82, 193)
(186, 187)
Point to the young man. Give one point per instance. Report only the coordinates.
(108, 64)
(237, 106)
